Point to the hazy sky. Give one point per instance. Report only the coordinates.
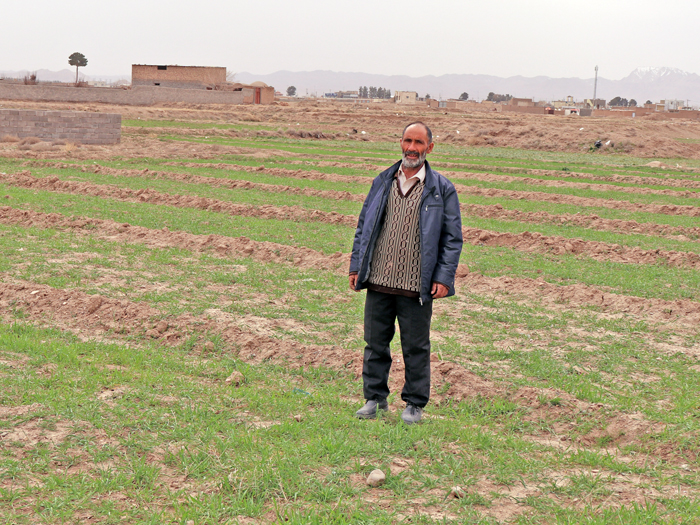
(556, 38)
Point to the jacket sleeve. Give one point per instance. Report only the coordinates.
(355, 257)
(450, 245)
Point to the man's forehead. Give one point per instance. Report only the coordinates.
(417, 128)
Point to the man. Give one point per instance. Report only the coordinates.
(406, 250)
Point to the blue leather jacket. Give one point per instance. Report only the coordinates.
(440, 226)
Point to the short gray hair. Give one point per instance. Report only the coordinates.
(419, 123)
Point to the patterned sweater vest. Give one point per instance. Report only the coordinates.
(396, 259)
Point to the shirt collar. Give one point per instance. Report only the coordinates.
(421, 173)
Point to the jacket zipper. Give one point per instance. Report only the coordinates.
(420, 236)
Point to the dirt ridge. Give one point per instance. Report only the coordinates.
(681, 312)
(493, 211)
(26, 180)
(490, 177)
(663, 209)
(600, 251)
(524, 242)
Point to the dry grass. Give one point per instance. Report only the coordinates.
(9, 138)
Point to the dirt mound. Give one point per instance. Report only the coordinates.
(600, 251)
(660, 311)
(293, 213)
(663, 209)
(682, 312)
(210, 181)
(488, 177)
(496, 211)
(220, 245)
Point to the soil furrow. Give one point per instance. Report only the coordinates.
(593, 222)
(223, 246)
(599, 251)
(663, 209)
(101, 317)
(531, 242)
(495, 211)
(210, 181)
(680, 312)
(97, 316)
(590, 202)
(295, 213)
(489, 177)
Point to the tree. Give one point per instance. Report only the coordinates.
(388, 94)
(427, 96)
(464, 96)
(77, 60)
(618, 101)
(291, 91)
(648, 102)
(372, 92)
(491, 97)
(633, 103)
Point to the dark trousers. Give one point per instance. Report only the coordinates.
(381, 312)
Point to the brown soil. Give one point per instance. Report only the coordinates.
(664, 209)
(531, 242)
(26, 180)
(495, 211)
(683, 312)
(489, 177)
(600, 251)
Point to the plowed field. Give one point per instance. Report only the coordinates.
(178, 343)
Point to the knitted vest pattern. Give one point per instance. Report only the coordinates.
(396, 257)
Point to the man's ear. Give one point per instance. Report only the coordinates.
(430, 148)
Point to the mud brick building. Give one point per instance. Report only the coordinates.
(184, 77)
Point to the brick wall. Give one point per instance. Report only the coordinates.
(192, 77)
(137, 96)
(71, 126)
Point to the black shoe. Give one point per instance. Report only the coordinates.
(412, 414)
(369, 411)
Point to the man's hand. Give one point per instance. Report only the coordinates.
(353, 282)
(438, 291)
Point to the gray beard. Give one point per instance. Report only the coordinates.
(414, 163)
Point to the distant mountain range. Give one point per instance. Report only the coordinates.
(644, 83)
(64, 75)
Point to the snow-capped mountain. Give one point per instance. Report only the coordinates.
(654, 74)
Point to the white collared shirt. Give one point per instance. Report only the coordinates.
(406, 184)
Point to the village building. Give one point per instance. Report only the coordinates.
(405, 97)
(182, 77)
(200, 78)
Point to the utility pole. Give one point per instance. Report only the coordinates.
(595, 87)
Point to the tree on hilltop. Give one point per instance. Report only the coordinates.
(291, 91)
(77, 60)
(464, 96)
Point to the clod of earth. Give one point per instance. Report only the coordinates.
(376, 478)
(236, 378)
(457, 492)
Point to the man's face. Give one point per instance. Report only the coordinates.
(415, 146)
